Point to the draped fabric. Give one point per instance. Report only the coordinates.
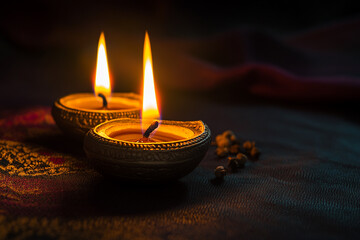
(295, 95)
(305, 184)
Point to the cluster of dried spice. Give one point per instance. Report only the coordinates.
(237, 153)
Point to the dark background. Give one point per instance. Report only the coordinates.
(48, 48)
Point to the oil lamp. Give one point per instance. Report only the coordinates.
(75, 114)
(147, 149)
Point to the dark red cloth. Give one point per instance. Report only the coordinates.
(305, 184)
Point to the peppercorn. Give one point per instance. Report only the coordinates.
(222, 151)
(254, 153)
(234, 149)
(233, 164)
(228, 134)
(220, 172)
(247, 145)
(233, 139)
(242, 158)
(218, 138)
(224, 142)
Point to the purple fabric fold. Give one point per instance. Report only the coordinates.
(321, 64)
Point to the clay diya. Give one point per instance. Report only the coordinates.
(76, 114)
(147, 149)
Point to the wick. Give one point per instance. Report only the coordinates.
(105, 103)
(150, 129)
(146, 136)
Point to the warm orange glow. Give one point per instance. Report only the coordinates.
(102, 79)
(150, 109)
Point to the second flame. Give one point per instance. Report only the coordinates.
(149, 109)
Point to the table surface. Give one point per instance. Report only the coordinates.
(306, 183)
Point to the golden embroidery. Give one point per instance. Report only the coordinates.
(26, 160)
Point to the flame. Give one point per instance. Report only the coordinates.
(102, 79)
(150, 109)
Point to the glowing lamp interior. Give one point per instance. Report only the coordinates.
(102, 78)
(150, 108)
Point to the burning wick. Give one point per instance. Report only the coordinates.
(148, 131)
(105, 103)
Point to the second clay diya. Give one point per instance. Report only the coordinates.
(175, 149)
(76, 114)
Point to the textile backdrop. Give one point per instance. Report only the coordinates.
(295, 96)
